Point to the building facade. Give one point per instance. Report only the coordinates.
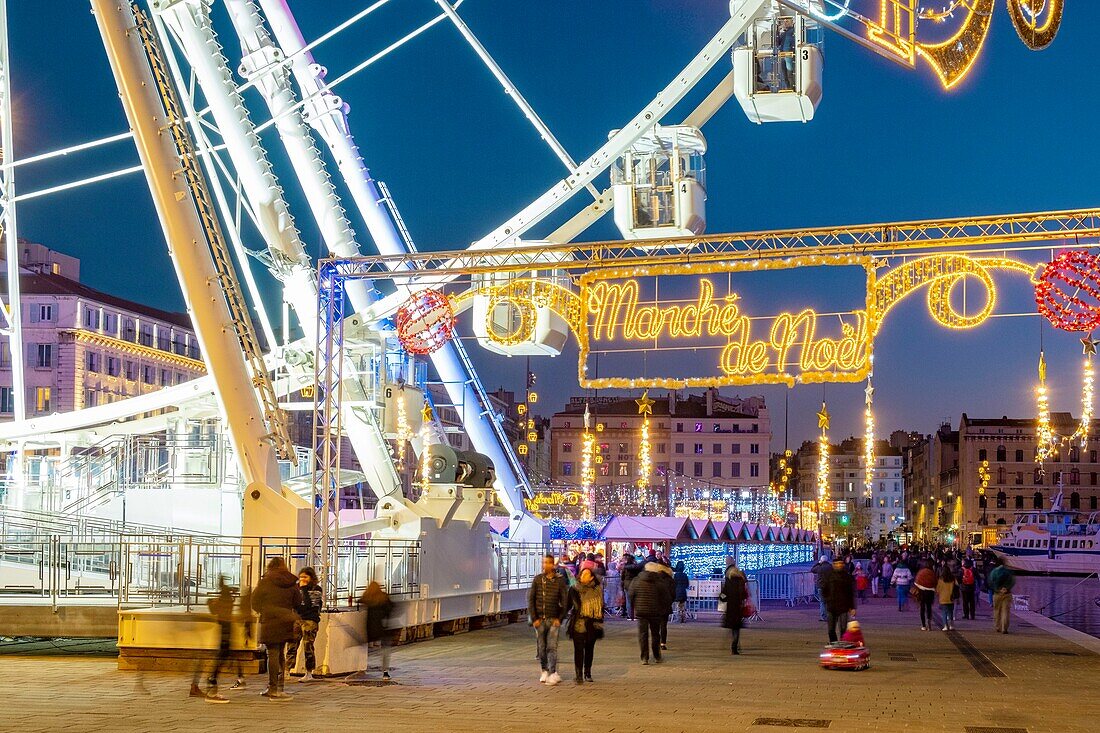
(83, 347)
(847, 509)
(950, 502)
(700, 440)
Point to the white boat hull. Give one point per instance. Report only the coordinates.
(1069, 563)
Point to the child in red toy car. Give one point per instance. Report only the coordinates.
(853, 634)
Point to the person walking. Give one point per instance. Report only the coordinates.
(840, 599)
(309, 619)
(628, 573)
(547, 604)
(968, 589)
(886, 576)
(221, 608)
(650, 600)
(683, 584)
(947, 589)
(861, 582)
(585, 622)
(1001, 582)
(820, 569)
(379, 609)
(670, 593)
(276, 597)
(926, 594)
(735, 592)
(902, 578)
(874, 572)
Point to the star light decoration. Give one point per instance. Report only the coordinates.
(645, 462)
(1088, 344)
(823, 454)
(1046, 441)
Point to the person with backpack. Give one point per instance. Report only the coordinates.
(968, 589)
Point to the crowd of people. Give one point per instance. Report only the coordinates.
(938, 576)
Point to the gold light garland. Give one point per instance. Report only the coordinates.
(404, 434)
(823, 455)
(588, 471)
(868, 436)
(1082, 432)
(645, 463)
(1046, 442)
(427, 418)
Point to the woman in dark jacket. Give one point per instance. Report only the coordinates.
(309, 620)
(585, 622)
(276, 597)
(379, 609)
(734, 594)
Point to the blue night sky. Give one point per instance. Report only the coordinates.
(887, 144)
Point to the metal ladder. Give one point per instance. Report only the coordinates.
(227, 276)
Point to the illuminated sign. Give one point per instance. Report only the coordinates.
(699, 311)
(547, 503)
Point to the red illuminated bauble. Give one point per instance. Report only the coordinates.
(1068, 291)
(425, 322)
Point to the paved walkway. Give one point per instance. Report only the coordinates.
(487, 681)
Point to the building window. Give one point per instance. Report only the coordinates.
(982, 454)
(1019, 501)
(128, 329)
(164, 341)
(1002, 454)
(1019, 478)
(193, 351)
(90, 398)
(1037, 500)
(881, 486)
(7, 399)
(165, 377)
(1019, 456)
(110, 322)
(1002, 500)
(698, 449)
(736, 449)
(679, 448)
(149, 375)
(178, 346)
(42, 399)
(1092, 502)
(1092, 456)
(661, 448)
(735, 469)
(1000, 474)
(114, 366)
(91, 361)
(882, 502)
(897, 501)
(131, 371)
(717, 449)
(42, 312)
(1038, 478)
(567, 468)
(1092, 479)
(754, 470)
(697, 469)
(716, 469)
(91, 318)
(1074, 454)
(146, 338)
(566, 447)
(680, 467)
(1074, 500)
(679, 427)
(1075, 477)
(982, 502)
(698, 427)
(754, 448)
(624, 469)
(623, 448)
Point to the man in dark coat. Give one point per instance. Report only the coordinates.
(275, 598)
(628, 574)
(839, 592)
(670, 592)
(547, 605)
(650, 599)
(683, 584)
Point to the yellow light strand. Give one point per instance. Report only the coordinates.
(403, 431)
(823, 455)
(1046, 443)
(588, 472)
(1082, 433)
(425, 433)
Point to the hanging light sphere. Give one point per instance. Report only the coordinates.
(1068, 291)
(425, 322)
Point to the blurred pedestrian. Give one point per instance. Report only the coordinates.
(670, 594)
(1001, 582)
(649, 596)
(629, 572)
(926, 594)
(968, 589)
(683, 584)
(221, 608)
(947, 589)
(820, 569)
(734, 594)
(585, 622)
(309, 619)
(547, 604)
(379, 608)
(276, 597)
(839, 591)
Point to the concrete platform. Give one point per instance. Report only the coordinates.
(486, 680)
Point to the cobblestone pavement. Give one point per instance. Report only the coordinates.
(487, 681)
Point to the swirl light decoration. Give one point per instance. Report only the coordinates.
(1036, 21)
(425, 322)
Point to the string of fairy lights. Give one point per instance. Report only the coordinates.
(869, 432)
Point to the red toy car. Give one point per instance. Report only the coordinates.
(845, 655)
